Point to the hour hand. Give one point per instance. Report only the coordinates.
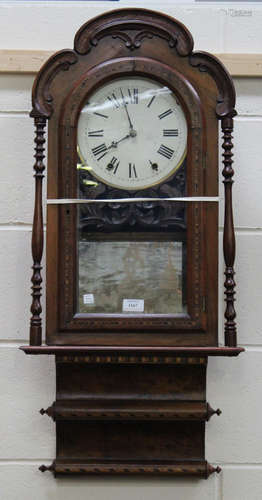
(132, 134)
(101, 150)
(114, 144)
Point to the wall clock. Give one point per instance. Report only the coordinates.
(132, 238)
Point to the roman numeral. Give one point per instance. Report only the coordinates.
(113, 165)
(133, 96)
(96, 133)
(151, 101)
(166, 113)
(100, 114)
(114, 101)
(165, 151)
(98, 150)
(132, 170)
(171, 132)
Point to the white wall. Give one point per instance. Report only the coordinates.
(27, 383)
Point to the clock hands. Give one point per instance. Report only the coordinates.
(115, 143)
(132, 131)
(102, 149)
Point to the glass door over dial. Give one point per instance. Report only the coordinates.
(132, 137)
(132, 133)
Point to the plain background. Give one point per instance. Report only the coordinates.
(28, 383)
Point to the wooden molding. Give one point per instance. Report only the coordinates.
(123, 354)
(197, 468)
(30, 61)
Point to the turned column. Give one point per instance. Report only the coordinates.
(37, 233)
(229, 235)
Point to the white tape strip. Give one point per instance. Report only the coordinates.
(64, 201)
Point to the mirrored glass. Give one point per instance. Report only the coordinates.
(131, 272)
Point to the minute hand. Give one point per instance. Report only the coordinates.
(125, 106)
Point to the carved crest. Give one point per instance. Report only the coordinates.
(132, 28)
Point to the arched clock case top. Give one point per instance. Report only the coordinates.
(156, 425)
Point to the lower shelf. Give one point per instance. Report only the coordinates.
(199, 469)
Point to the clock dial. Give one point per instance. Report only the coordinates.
(132, 133)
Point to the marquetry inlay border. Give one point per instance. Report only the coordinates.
(122, 359)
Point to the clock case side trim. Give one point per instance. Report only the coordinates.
(93, 78)
(42, 99)
(225, 110)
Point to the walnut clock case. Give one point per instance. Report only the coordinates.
(132, 243)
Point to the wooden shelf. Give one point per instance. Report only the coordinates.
(183, 468)
(127, 353)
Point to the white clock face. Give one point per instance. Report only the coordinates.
(132, 133)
